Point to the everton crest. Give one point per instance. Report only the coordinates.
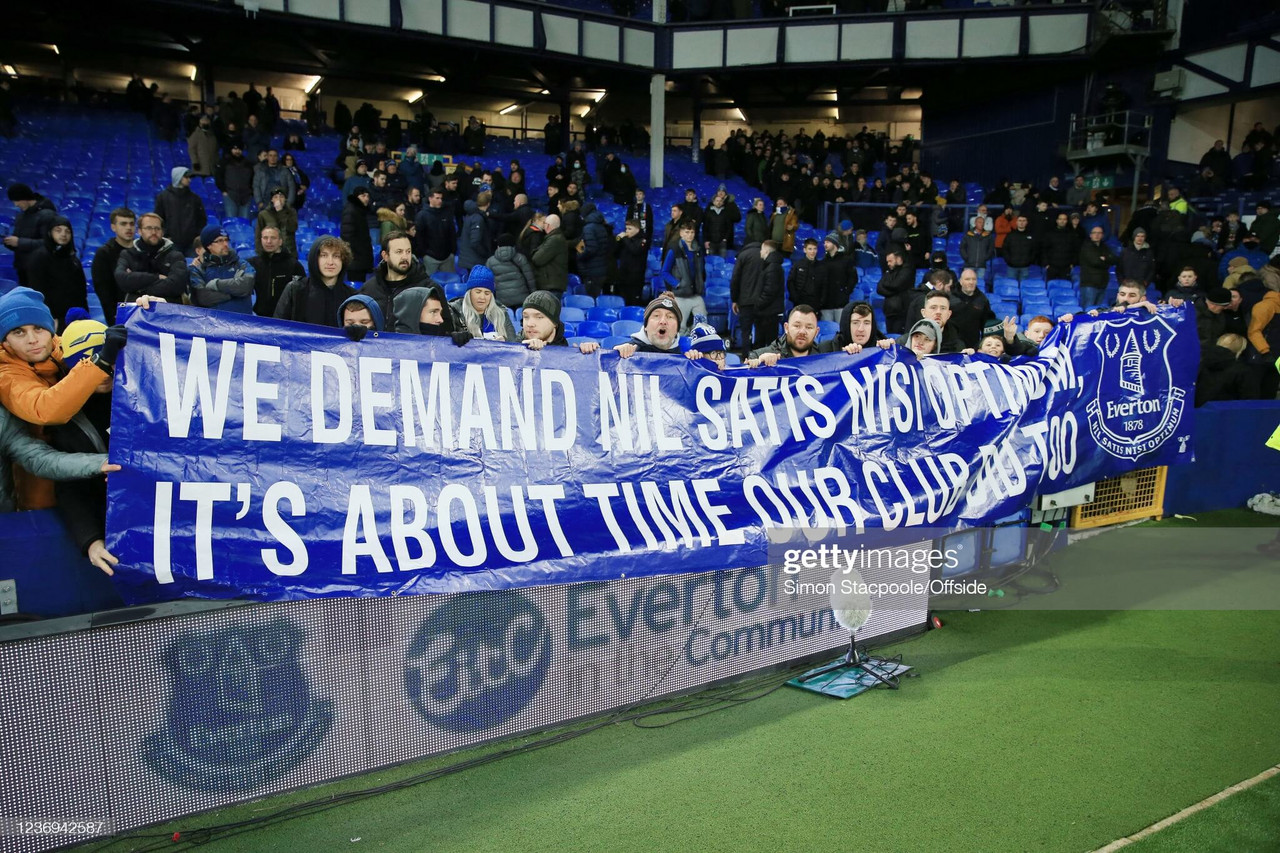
(1138, 407)
(241, 713)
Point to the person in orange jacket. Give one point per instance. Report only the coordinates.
(1004, 224)
(35, 385)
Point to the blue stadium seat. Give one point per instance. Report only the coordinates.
(578, 301)
(593, 329)
(455, 289)
(615, 341)
(626, 328)
(827, 329)
(609, 301)
(603, 315)
(582, 339)
(444, 279)
(633, 312)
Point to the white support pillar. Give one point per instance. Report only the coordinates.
(657, 128)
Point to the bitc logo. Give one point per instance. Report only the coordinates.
(477, 660)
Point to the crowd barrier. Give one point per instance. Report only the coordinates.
(1232, 463)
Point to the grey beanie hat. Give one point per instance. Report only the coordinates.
(546, 302)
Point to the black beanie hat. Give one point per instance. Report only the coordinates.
(21, 192)
(506, 240)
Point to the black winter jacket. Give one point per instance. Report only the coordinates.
(384, 292)
(1060, 248)
(719, 226)
(55, 271)
(139, 269)
(184, 215)
(308, 300)
(1020, 249)
(805, 283)
(757, 283)
(1096, 261)
(355, 230)
(272, 274)
(437, 233)
(30, 226)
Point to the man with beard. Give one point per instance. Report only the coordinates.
(398, 272)
(274, 267)
(796, 340)
(219, 278)
(152, 266)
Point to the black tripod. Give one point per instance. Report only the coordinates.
(857, 657)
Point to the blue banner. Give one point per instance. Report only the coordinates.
(268, 460)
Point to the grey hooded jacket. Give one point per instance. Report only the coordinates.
(38, 458)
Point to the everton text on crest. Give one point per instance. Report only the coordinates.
(241, 713)
(1138, 407)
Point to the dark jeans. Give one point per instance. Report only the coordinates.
(758, 329)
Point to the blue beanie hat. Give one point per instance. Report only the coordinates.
(480, 276)
(375, 310)
(23, 306)
(211, 233)
(846, 225)
(704, 337)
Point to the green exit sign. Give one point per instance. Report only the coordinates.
(1101, 182)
